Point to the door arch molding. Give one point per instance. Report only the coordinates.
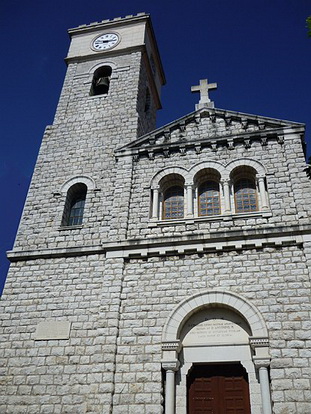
(193, 304)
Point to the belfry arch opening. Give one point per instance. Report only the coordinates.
(101, 81)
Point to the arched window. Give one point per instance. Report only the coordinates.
(171, 189)
(245, 190)
(208, 192)
(173, 202)
(101, 81)
(209, 200)
(74, 206)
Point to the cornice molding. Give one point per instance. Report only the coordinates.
(190, 244)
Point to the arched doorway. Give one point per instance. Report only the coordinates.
(210, 332)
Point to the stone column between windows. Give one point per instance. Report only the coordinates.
(170, 369)
(262, 191)
(155, 203)
(189, 200)
(226, 187)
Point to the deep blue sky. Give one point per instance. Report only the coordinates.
(257, 51)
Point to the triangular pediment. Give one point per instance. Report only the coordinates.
(209, 126)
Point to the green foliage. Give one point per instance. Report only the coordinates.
(309, 26)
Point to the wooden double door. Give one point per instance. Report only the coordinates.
(218, 389)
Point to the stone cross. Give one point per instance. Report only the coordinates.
(203, 88)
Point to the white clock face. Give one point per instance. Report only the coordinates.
(105, 41)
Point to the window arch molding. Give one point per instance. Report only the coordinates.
(84, 179)
(245, 162)
(168, 171)
(217, 166)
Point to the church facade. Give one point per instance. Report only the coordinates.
(157, 270)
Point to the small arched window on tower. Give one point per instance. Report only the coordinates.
(74, 206)
(101, 81)
(245, 190)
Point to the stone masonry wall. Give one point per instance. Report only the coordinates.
(60, 376)
(276, 281)
(118, 310)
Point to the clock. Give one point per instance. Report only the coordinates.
(105, 41)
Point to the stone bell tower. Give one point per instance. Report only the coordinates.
(114, 73)
(110, 97)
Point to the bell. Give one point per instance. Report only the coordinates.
(102, 85)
